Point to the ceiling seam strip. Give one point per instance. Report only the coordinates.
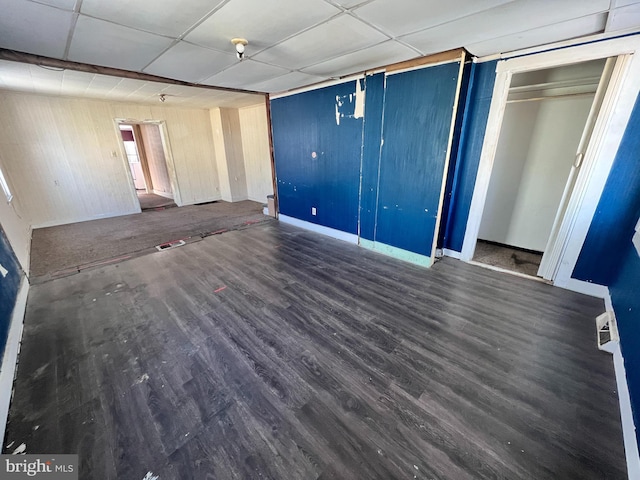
(72, 28)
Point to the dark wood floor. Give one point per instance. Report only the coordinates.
(277, 353)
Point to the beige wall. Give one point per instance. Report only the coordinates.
(256, 153)
(64, 155)
(227, 137)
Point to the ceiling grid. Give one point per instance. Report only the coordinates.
(292, 43)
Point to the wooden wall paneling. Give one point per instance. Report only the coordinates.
(234, 155)
(191, 140)
(215, 116)
(62, 155)
(256, 152)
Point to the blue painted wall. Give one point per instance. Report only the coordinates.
(455, 148)
(317, 160)
(418, 108)
(625, 295)
(372, 139)
(474, 124)
(387, 191)
(8, 288)
(608, 256)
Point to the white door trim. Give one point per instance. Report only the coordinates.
(615, 113)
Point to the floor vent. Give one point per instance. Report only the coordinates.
(168, 245)
(607, 332)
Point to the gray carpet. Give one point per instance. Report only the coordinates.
(65, 249)
(508, 258)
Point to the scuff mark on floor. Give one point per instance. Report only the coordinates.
(22, 448)
(142, 379)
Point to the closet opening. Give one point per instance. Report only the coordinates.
(547, 124)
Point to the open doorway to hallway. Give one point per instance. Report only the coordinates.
(148, 165)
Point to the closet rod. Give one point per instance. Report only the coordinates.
(534, 99)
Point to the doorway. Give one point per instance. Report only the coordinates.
(547, 123)
(148, 165)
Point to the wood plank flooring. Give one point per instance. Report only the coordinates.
(277, 353)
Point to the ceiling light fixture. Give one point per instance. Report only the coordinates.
(240, 43)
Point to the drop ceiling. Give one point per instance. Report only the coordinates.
(292, 43)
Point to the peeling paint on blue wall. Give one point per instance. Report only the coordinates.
(317, 138)
(367, 157)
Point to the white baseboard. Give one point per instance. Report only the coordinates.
(451, 253)
(10, 358)
(55, 223)
(329, 232)
(587, 288)
(626, 417)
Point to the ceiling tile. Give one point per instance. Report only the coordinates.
(286, 82)
(376, 56)
(101, 43)
(164, 17)
(262, 22)
(540, 36)
(624, 18)
(63, 4)
(514, 17)
(339, 36)
(399, 17)
(189, 62)
(34, 28)
(244, 73)
(349, 3)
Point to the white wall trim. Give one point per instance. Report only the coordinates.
(626, 417)
(10, 357)
(450, 253)
(329, 232)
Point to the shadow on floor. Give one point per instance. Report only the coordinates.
(503, 256)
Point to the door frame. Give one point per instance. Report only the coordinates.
(166, 146)
(609, 129)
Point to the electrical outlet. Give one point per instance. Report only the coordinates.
(313, 211)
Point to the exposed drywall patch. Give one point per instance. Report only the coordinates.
(350, 105)
(358, 111)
